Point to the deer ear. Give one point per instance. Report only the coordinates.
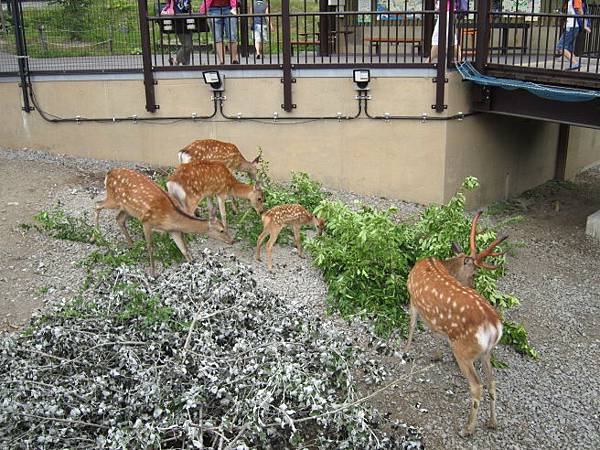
(456, 248)
(256, 160)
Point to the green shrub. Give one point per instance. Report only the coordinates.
(365, 258)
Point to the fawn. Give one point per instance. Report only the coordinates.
(224, 152)
(191, 182)
(278, 217)
(442, 294)
(135, 195)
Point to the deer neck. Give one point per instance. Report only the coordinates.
(241, 190)
(455, 267)
(181, 221)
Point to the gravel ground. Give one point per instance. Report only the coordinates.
(545, 404)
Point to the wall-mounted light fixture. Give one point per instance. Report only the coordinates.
(213, 78)
(361, 78)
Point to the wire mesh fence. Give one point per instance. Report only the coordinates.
(74, 35)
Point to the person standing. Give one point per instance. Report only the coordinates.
(566, 43)
(260, 25)
(182, 57)
(223, 27)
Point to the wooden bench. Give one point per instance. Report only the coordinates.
(416, 43)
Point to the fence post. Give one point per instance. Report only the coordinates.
(428, 28)
(22, 57)
(149, 83)
(287, 56)
(483, 34)
(324, 29)
(245, 47)
(440, 80)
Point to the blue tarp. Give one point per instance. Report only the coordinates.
(562, 94)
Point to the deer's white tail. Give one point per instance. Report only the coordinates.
(177, 192)
(184, 157)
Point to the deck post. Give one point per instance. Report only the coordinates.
(562, 147)
(440, 80)
(428, 27)
(287, 56)
(483, 35)
(22, 57)
(151, 105)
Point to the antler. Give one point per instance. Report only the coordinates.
(489, 252)
(473, 232)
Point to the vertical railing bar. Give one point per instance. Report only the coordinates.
(441, 63)
(287, 56)
(483, 35)
(146, 56)
(22, 61)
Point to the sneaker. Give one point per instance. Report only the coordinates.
(235, 62)
(575, 67)
(257, 56)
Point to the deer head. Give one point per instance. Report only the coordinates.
(463, 266)
(257, 197)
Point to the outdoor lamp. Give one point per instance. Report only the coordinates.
(213, 78)
(362, 77)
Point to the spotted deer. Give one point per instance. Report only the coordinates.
(191, 182)
(442, 294)
(278, 217)
(224, 152)
(135, 195)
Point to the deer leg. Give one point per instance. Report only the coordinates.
(209, 205)
(149, 246)
(491, 385)
(103, 204)
(191, 206)
(234, 206)
(221, 200)
(122, 221)
(411, 328)
(179, 240)
(272, 240)
(466, 367)
(259, 242)
(296, 229)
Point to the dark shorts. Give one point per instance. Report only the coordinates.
(567, 40)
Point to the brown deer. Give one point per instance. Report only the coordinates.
(135, 195)
(191, 182)
(442, 294)
(224, 152)
(278, 217)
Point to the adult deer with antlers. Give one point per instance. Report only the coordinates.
(219, 151)
(278, 217)
(193, 181)
(135, 195)
(442, 294)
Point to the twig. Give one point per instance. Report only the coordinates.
(56, 419)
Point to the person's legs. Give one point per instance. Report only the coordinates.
(257, 40)
(231, 35)
(217, 29)
(566, 45)
(184, 52)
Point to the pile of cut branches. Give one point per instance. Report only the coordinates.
(200, 357)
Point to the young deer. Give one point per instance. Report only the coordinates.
(191, 182)
(278, 217)
(224, 152)
(135, 195)
(442, 294)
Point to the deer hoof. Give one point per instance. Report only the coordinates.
(491, 424)
(466, 432)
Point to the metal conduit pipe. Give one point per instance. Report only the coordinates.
(423, 117)
(275, 116)
(77, 119)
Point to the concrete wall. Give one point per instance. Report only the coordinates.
(407, 159)
(584, 150)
